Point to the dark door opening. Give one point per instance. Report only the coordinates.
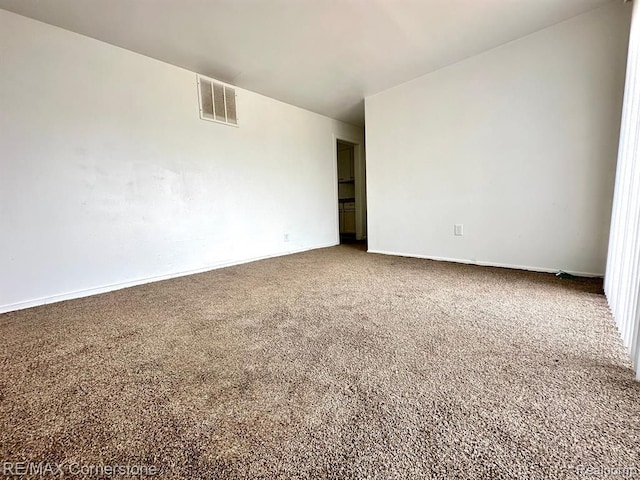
(350, 194)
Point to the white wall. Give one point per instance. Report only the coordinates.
(622, 281)
(517, 144)
(108, 177)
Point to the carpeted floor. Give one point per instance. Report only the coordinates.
(327, 364)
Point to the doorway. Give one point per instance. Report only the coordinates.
(351, 193)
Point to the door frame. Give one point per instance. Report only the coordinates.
(359, 167)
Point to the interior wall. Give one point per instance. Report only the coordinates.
(109, 178)
(517, 144)
(361, 191)
(622, 280)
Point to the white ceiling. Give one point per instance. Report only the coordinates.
(322, 55)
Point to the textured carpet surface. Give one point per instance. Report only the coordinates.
(327, 364)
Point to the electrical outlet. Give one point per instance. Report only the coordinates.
(286, 237)
(458, 230)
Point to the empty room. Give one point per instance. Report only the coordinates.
(303, 239)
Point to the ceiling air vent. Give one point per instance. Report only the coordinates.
(217, 101)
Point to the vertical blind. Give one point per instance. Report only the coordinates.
(622, 279)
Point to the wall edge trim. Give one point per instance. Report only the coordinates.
(12, 307)
(487, 264)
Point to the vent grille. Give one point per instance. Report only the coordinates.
(217, 102)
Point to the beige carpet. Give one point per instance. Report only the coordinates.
(328, 364)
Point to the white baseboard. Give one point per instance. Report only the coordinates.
(132, 283)
(488, 264)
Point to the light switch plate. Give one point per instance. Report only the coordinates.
(458, 230)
